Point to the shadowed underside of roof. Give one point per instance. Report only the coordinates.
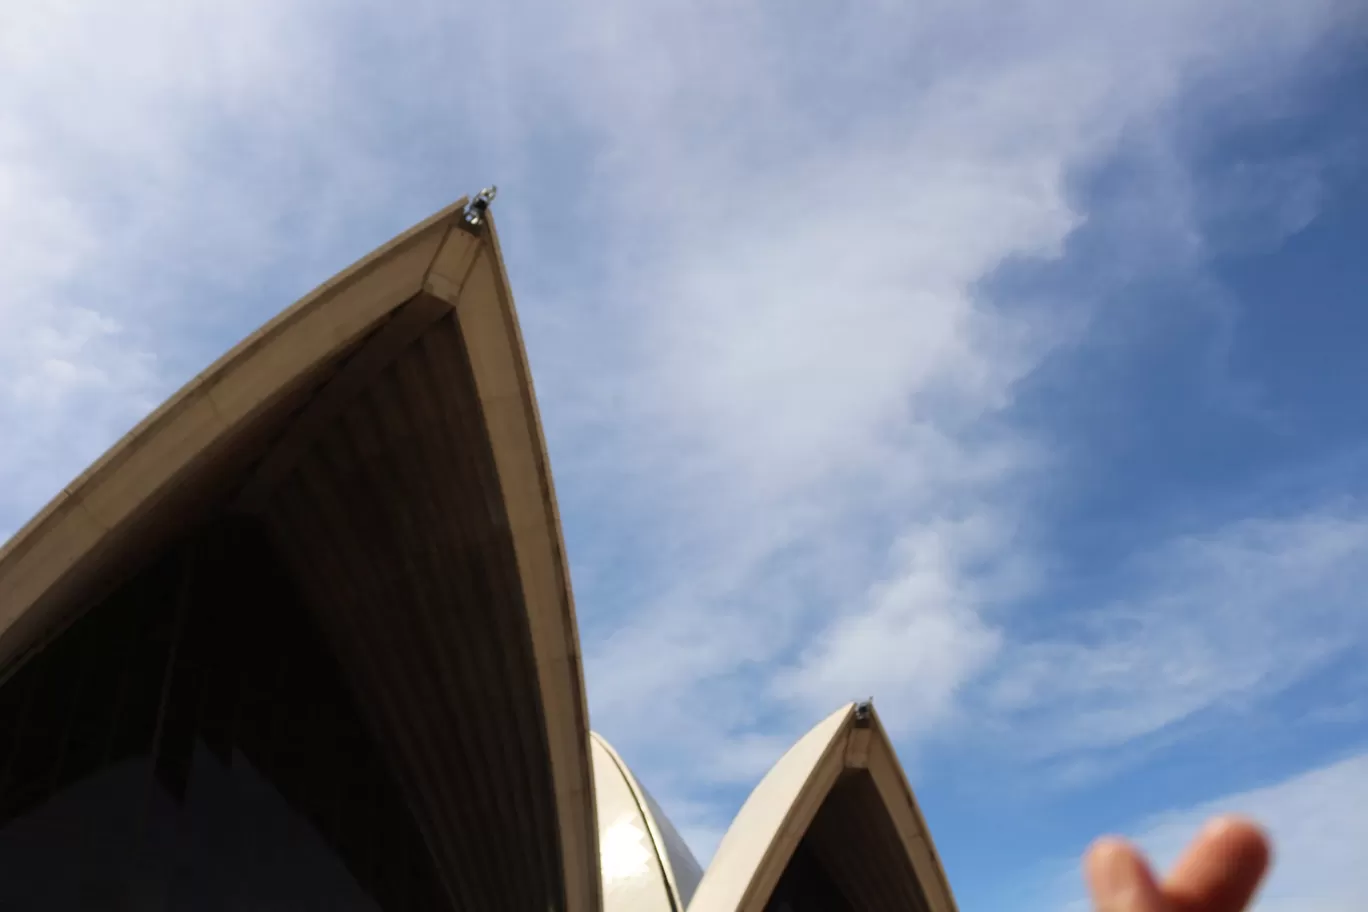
(376, 450)
(833, 826)
(646, 866)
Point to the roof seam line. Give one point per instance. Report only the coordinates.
(627, 777)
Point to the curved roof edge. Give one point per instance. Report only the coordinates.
(665, 842)
(498, 359)
(762, 839)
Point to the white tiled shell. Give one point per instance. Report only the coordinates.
(646, 866)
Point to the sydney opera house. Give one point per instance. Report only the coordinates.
(304, 639)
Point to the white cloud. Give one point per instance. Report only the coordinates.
(110, 205)
(822, 377)
(917, 639)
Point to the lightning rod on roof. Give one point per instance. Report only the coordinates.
(479, 204)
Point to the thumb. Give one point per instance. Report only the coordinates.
(1120, 881)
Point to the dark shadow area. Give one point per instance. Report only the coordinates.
(190, 743)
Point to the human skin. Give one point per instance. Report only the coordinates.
(1220, 872)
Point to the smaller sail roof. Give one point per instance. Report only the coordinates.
(833, 826)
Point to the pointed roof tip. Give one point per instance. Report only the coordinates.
(830, 810)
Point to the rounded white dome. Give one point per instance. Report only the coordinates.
(644, 862)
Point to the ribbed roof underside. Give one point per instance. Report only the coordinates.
(850, 859)
(392, 526)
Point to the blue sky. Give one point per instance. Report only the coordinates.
(997, 361)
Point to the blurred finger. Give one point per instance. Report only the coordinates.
(1120, 880)
(1221, 870)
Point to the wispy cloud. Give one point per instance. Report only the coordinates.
(1213, 621)
(838, 494)
(121, 210)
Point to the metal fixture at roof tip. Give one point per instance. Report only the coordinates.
(863, 710)
(479, 204)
